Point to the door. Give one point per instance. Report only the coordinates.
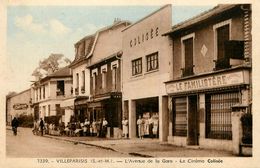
(192, 120)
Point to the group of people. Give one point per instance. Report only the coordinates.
(147, 127)
(87, 128)
(39, 127)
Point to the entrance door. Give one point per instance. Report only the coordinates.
(192, 120)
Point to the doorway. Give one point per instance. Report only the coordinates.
(193, 126)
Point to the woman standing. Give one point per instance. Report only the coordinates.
(140, 123)
(125, 127)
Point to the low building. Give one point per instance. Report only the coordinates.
(18, 104)
(146, 66)
(211, 75)
(49, 94)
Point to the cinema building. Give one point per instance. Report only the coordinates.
(146, 66)
(97, 76)
(211, 76)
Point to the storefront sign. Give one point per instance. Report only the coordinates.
(149, 34)
(20, 106)
(212, 81)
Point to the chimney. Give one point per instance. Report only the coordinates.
(116, 20)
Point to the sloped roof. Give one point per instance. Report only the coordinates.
(90, 41)
(63, 72)
(202, 17)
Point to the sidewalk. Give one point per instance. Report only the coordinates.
(143, 148)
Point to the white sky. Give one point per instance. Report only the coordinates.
(34, 32)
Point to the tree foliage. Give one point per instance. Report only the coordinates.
(53, 63)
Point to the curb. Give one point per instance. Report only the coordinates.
(98, 146)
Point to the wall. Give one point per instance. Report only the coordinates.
(204, 36)
(133, 86)
(23, 97)
(109, 42)
(79, 70)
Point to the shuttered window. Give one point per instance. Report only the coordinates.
(180, 116)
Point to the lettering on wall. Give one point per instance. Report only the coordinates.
(145, 36)
(212, 81)
(20, 106)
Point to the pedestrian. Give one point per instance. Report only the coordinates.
(42, 126)
(140, 124)
(155, 127)
(125, 127)
(104, 127)
(150, 122)
(87, 127)
(94, 128)
(15, 124)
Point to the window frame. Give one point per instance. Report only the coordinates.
(134, 65)
(154, 55)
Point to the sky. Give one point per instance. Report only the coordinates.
(34, 32)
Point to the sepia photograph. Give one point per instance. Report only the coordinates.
(128, 85)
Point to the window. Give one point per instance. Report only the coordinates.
(49, 110)
(94, 79)
(187, 54)
(104, 79)
(60, 88)
(222, 36)
(218, 114)
(40, 93)
(152, 62)
(58, 110)
(180, 116)
(43, 92)
(77, 84)
(104, 75)
(83, 82)
(114, 71)
(137, 66)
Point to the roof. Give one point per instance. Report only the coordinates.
(116, 55)
(90, 42)
(15, 94)
(204, 16)
(63, 72)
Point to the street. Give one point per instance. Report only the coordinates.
(25, 144)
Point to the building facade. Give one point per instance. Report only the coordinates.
(49, 93)
(97, 76)
(146, 66)
(18, 104)
(211, 75)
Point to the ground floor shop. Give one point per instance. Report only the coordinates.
(148, 117)
(201, 114)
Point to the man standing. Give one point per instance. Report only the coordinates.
(41, 126)
(14, 125)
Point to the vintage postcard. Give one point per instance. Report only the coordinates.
(129, 84)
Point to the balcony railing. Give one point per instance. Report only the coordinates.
(187, 71)
(222, 64)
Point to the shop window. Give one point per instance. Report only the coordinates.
(137, 66)
(60, 88)
(152, 62)
(180, 116)
(187, 46)
(218, 115)
(222, 37)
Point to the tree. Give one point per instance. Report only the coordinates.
(51, 64)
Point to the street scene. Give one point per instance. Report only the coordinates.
(150, 84)
(25, 144)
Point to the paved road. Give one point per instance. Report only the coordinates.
(25, 144)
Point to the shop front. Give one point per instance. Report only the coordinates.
(148, 110)
(109, 107)
(80, 110)
(201, 107)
